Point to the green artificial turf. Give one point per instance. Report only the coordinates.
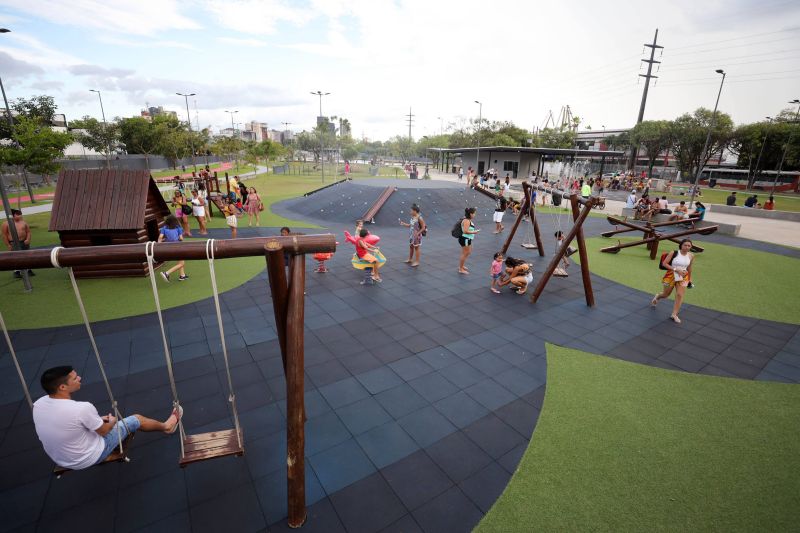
(52, 301)
(727, 278)
(783, 201)
(626, 447)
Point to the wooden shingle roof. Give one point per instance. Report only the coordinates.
(102, 200)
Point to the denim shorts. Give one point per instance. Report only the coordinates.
(119, 431)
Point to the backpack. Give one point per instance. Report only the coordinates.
(663, 257)
(457, 232)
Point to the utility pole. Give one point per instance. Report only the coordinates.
(650, 62)
(321, 136)
(410, 121)
(189, 123)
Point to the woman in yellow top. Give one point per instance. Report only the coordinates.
(679, 275)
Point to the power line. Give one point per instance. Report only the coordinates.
(792, 38)
(717, 60)
(740, 38)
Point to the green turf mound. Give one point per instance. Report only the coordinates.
(625, 447)
(727, 278)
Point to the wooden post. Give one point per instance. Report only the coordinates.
(654, 246)
(276, 271)
(535, 222)
(522, 211)
(227, 184)
(295, 408)
(551, 267)
(584, 255)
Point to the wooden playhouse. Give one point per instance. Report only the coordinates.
(101, 207)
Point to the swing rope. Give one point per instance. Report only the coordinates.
(54, 260)
(215, 292)
(16, 362)
(149, 250)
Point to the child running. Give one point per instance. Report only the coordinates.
(172, 232)
(231, 217)
(364, 251)
(496, 271)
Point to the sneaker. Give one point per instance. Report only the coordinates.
(165, 276)
(183, 278)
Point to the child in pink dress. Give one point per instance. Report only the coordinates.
(496, 271)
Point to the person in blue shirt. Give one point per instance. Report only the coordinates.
(172, 232)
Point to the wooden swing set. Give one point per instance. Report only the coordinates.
(288, 305)
(652, 234)
(580, 211)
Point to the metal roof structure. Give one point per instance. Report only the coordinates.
(534, 150)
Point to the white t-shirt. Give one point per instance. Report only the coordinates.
(631, 201)
(68, 433)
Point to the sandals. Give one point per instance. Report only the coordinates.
(654, 301)
(178, 414)
(675, 319)
(495, 291)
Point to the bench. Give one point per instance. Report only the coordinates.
(724, 228)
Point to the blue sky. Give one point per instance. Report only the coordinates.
(377, 58)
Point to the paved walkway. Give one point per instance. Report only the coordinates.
(421, 393)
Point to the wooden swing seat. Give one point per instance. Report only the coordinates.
(529, 246)
(114, 457)
(560, 273)
(204, 446)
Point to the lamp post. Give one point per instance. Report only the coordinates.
(321, 145)
(11, 131)
(189, 122)
(105, 126)
(752, 180)
(478, 153)
(441, 125)
(785, 148)
(708, 138)
(233, 132)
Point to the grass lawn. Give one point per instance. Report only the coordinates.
(783, 202)
(626, 447)
(14, 204)
(727, 278)
(52, 302)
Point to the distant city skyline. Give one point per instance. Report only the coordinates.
(378, 58)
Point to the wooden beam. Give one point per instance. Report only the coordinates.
(582, 251)
(537, 234)
(164, 251)
(568, 238)
(516, 223)
(295, 406)
(672, 236)
(276, 271)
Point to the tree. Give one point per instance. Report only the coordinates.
(37, 147)
(689, 136)
(554, 138)
(655, 136)
(40, 107)
(96, 135)
(139, 137)
(618, 142)
(308, 142)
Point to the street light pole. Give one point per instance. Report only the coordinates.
(785, 148)
(321, 137)
(478, 153)
(708, 139)
(105, 127)
(233, 132)
(752, 179)
(189, 122)
(441, 125)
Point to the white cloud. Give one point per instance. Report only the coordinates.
(145, 43)
(251, 43)
(142, 17)
(16, 68)
(27, 48)
(256, 16)
(95, 70)
(47, 85)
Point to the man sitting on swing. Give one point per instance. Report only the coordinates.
(73, 434)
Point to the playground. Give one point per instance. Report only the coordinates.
(430, 403)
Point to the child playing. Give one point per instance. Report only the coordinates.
(364, 251)
(559, 235)
(496, 271)
(172, 232)
(231, 216)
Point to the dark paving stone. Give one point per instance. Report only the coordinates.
(379, 380)
(439, 357)
(272, 493)
(209, 479)
(97, 515)
(323, 432)
(464, 348)
(406, 524)
(367, 505)
(682, 361)
(490, 394)
(23, 504)
(235, 510)
(450, 511)
(411, 368)
(426, 426)
(401, 400)
(391, 352)
(748, 356)
(493, 435)
(520, 415)
(419, 343)
(267, 454)
(485, 486)
(325, 373)
(489, 364)
(341, 466)
(386, 444)
(735, 368)
(433, 387)
(343, 392)
(161, 496)
(461, 409)
(458, 456)
(510, 460)
(363, 415)
(783, 370)
(320, 518)
(518, 382)
(416, 479)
